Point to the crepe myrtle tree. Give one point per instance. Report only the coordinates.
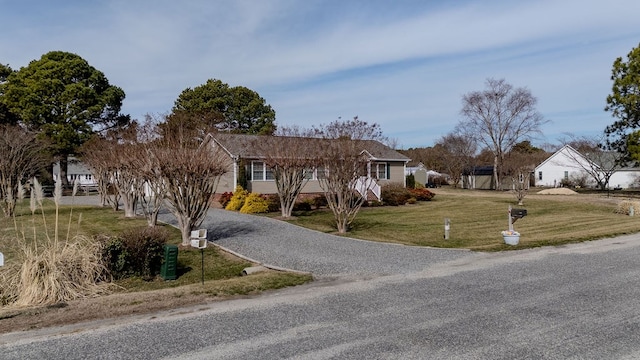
(95, 154)
(291, 162)
(191, 169)
(23, 156)
(342, 166)
(146, 169)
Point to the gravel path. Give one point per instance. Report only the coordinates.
(280, 244)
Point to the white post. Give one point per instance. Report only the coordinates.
(447, 227)
(510, 221)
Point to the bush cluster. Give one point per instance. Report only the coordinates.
(273, 202)
(319, 201)
(304, 205)
(136, 252)
(394, 194)
(254, 204)
(422, 194)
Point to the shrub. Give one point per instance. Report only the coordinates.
(304, 205)
(136, 252)
(224, 198)
(273, 202)
(411, 181)
(319, 201)
(422, 194)
(237, 200)
(254, 204)
(412, 200)
(395, 194)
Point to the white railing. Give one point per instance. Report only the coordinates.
(366, 184)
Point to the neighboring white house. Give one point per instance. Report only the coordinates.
(76, 171)
(568, 162)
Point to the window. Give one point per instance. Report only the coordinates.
(260, 172)
(308, 174)
(321, 173)
(268, 173)
(379, 171)
(257, 170)
(539, 175)
(566, 175)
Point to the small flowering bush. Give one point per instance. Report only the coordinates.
(422, 194)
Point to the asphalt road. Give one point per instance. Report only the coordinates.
(572, 302)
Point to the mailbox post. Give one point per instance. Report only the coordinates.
(512, 237)
(515, 214)
(199, 241)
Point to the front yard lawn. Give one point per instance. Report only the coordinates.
(478, 217)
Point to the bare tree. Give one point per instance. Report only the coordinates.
(96, 153)
(342, 168)
(146, 169)
(355, 129)
(341, 174)
(23, 156)
(499, 117)
(457, 152)
(291, 162)
(125, 177)
(191, 169)
(431, 157)
(589, 155)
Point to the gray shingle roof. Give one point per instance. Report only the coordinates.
(243, 146)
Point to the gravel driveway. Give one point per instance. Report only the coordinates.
(279, 244)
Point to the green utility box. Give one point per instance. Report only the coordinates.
(169, 267)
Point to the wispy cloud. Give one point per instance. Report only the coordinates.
(403, 64)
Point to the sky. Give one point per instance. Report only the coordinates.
(403, 64)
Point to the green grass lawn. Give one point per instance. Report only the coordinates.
(478, 217)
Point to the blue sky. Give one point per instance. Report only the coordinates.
(402, 64)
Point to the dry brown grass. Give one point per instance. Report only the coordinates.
(56, 272)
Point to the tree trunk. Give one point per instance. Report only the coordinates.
(152, 219)
(129, 204)
(64, 166)
(184, 224)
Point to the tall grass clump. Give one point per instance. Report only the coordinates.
(52, 270)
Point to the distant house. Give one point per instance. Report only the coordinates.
(478, 177)
(481, 177)
(385, 164)
(423, 175)
(76, 171)
(568, 162)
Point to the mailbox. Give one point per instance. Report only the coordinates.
(518, 213)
